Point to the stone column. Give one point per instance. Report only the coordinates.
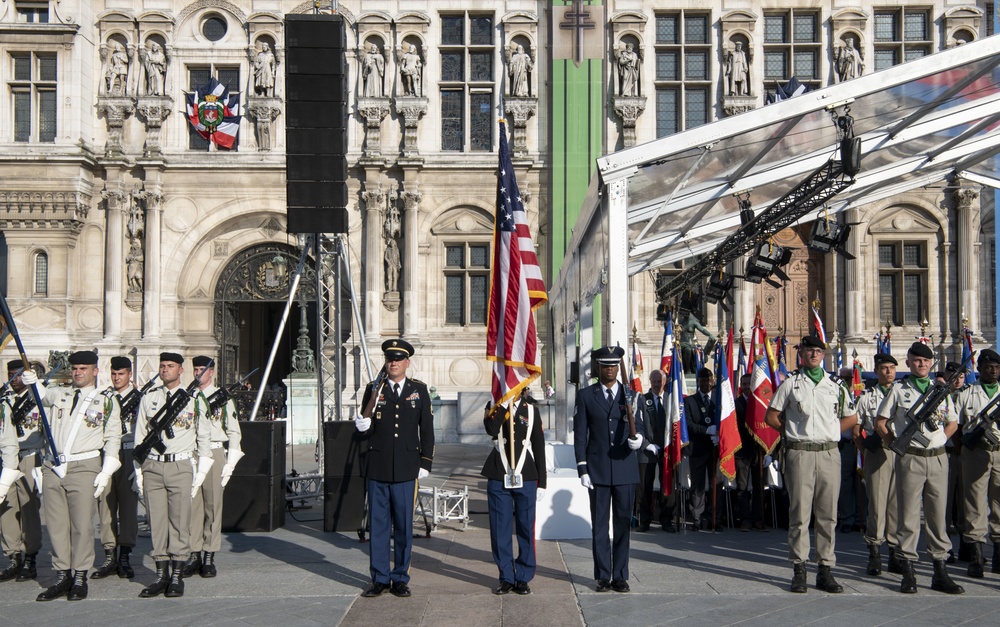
(374, 200)
(854, 303)
(373, 110)
(115, 111)
(411, 109)
(153, 284)
(154, 109)
(967, 225)
(411, 204)
(114, 201)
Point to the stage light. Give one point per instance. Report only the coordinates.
(766, 260)
(662, 312)
(718, 288)
(689, 301)
(830, 235)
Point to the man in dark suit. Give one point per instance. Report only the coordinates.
(749, 480)
(699, 409)
(400, 449)
(606, 462)
(651, 458)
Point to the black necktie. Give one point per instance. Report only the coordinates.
(395, 388)
(611, 399)
(76, 399)
(659, 404)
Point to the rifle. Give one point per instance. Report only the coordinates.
(221, 396)
(131, 400)
(628, 401)
(25, 404)
(162, 423)
(987, 417)
(922, 412)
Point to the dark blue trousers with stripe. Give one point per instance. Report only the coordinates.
(512, 511)
(391, 507)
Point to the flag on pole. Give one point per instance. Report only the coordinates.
(857, 385)
(636, 369)
(215, 113)
(676, 423)
(923, 339)
(729, 360)
(725, 415)
(879, 344)
(887, 341)
(970, 370)
(741, 368)
(667, 348)
(818, 329)
(761, 388)
(516, 290)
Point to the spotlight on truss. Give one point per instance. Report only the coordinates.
(689, 301)
(766, 260)
(662, 312)
(718, 288)
(830, 235)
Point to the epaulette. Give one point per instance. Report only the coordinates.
(109, 392)
(419, 381)
(835, 378)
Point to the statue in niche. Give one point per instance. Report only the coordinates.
(519, 66)
(392, 266)
(628, 70)
(410, 67)
(373, 72)
(850, 63)
(134, 263)
(737, 72)
(116, 75)
(154, 61)
(263, 71)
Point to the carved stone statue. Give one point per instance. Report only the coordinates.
(410, 68)
(850, 63)
(154, 61)
(373, 72)
(116, 74)
(134, 263)
(392, 266)
(628, 70)
(519, 66)
(737, 72)
(263, 71)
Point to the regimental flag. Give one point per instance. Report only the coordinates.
(923, 339)
(215, 113)
(725, 416)
(970, 370)
(879, 343)
(636, 369)
(818, 329)
(760, 389)
(887, 341)
(857, 385)
(516, 290)
(667, 348)
(676, 423)
(779, 365)
(733, 380)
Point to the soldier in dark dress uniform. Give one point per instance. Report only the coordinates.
(400, 449)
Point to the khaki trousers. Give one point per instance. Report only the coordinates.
(20, 515)
(118, 507)
(880, 477)
(206, 508)
(69, 513)
(922, 479)
(813, 482)
(981, 478)
(167, 486)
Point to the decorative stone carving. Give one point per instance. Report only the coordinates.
(965, 196)
(411, 69)
(303, 358)
(411, 109)
(850, 60)
(629, 109)
(628, 59)
(391, 230)
(373, 110)
(115, 111)
(518, 111)
(135, 233)
(264, 66)
(154, 63)
(737, 71)
(264, 111)
(519, 69)
(734, 105)
(154, 109)
(116, 61)
(373, 199)
(372, 72)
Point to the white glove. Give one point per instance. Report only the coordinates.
(362, 424)
(713, 430)
(28, 377)
(234, 456)
(137, 483)
(204, 465)
(103, 478)
(767, 460)
(7, 479)
(227, 473)
(635, 443)
(422, 473)
(539, 494)
(585, 482)
(652, 448)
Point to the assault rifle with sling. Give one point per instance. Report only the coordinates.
(222, 395)
(25, 404)
(130, 402)
(923, 412)
(162, 423)
(986, 418)
(5, 390)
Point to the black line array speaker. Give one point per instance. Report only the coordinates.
(316, 123)
(254, 499)
(343, 480)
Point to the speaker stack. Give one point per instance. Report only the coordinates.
(254, 499)
(316, 123)
(343, 477)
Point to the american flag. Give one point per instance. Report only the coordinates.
(516, 290)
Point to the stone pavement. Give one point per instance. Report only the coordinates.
(299, 575)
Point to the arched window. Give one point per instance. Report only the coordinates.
(41, 274)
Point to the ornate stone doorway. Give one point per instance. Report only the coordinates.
(250, 297)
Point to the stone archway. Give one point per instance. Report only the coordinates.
(253, 284)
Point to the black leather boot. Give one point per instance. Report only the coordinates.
(14, 568)
(79, 590)
(995, 569)
(964, 550)
(62, 586)
(109, 567)
(124, 567)
(874, 560)
(193, 565)
(208, 566)
(909, 583)
(159, 586)
(826, 582)
(976, 561)
(176, 587)
(942, 582)
(798, 578)
(894, 565)
(28, 571)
